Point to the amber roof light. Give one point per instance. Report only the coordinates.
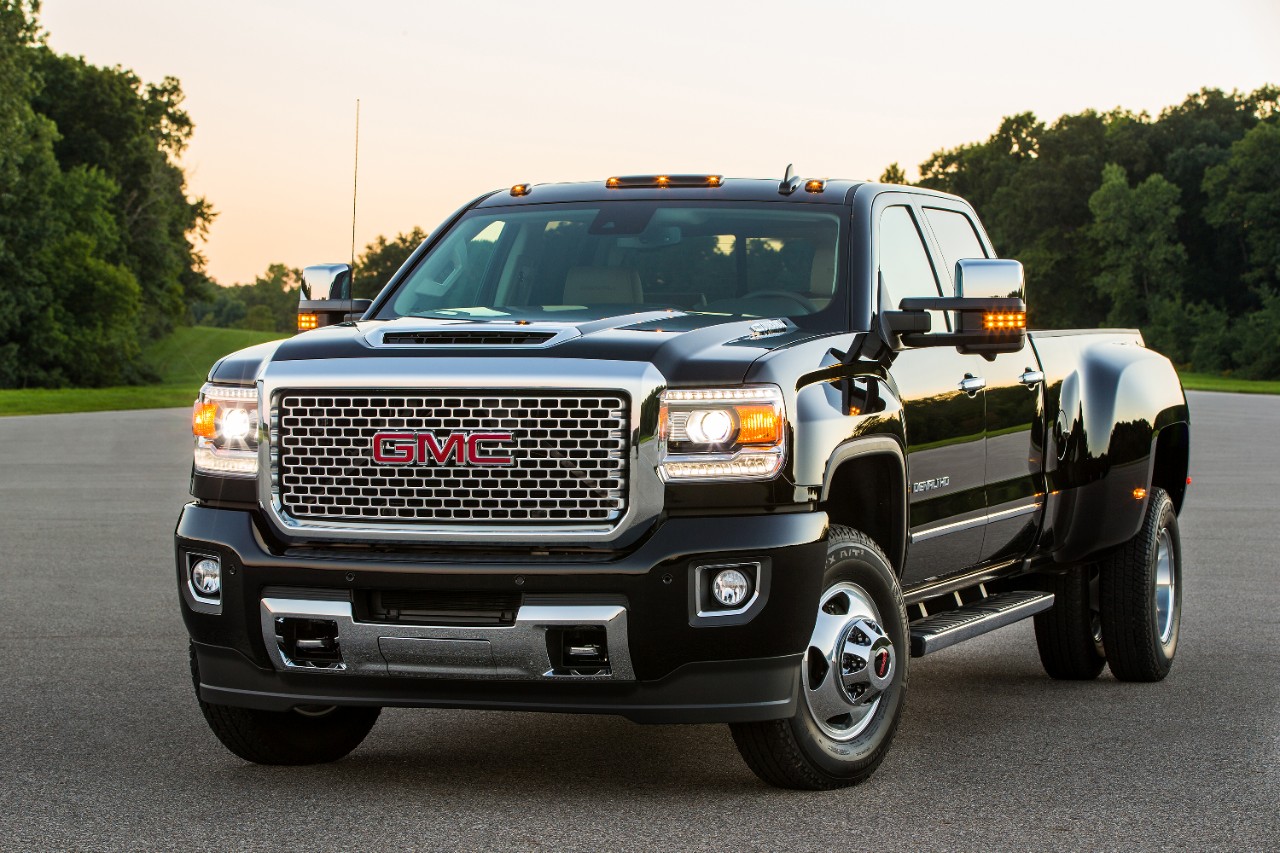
(663, 181)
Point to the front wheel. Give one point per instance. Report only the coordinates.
(1142, 596)
(853, 679)
(306, 735)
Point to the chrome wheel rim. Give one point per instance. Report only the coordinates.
(1165, 585)
(850, 664)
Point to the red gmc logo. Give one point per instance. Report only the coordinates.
(422, 448)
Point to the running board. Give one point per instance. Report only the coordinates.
(955, 626)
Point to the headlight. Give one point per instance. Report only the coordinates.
(722, 433)
(224, 423)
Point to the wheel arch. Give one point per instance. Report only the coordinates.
(1171, 459)
(865, 487)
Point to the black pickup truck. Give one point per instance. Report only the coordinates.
(680, 448)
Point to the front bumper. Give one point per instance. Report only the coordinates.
(673, 664)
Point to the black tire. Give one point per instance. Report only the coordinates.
(1140, 637)
(293, 737)
(797, 752)
(1069, 635)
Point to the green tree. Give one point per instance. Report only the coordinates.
(893, 174)
(380, 261)
(68, 309)
(1244, 201)
(107, 118)
(1135, 233)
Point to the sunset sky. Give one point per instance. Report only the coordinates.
(462, 98)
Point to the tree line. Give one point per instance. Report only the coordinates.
(97, 232)
(1169, 224)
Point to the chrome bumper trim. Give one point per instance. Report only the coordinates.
(507, 652)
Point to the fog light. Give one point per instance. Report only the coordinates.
(731, 587)
(206, 578)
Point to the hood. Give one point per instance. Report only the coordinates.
(688, 348)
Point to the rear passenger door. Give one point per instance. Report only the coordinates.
(944, 422)
(1014, 446)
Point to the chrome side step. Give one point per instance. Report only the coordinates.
(954, 626)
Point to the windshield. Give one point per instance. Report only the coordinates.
(582, 262)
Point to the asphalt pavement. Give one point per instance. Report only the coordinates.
(102, 745)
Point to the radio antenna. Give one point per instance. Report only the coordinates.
(355, 186)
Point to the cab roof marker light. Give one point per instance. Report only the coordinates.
(521, 190)
(815, 185)
(663, 181)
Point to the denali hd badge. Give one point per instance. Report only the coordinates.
(423, 448)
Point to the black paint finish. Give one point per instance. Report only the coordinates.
(998, 479)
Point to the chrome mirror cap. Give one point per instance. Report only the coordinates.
(989, 278)
(325, 281)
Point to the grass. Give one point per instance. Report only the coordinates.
(1214, 382)
(182, 359)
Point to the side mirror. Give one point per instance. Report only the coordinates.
(326, 281)
(325, 297)
(989, 309)
(990, 278)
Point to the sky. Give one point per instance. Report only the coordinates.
(458, 99)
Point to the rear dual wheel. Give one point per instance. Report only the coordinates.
(1125, 610)
(852, 682)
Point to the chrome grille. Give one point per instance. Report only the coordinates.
(568, 455)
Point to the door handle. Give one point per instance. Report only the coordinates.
(1031, 378)
(971, 384)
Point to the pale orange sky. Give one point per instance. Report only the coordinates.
(458, 99)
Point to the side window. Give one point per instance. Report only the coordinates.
(904, 263)
(956, 237)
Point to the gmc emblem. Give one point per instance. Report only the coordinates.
(423, 448)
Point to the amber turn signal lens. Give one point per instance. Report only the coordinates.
(307, 322)
(1007, 322)
(204, 420)
(1139, 493)
(758, 425)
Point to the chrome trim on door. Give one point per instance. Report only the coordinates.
(516, 652)
(970, 523)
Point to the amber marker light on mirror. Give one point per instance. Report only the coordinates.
(307, 322)
(204, 420)
(1008, 322)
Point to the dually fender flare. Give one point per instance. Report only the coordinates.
(867, 446)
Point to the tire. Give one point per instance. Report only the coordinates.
(1141, 586)
(1069, 635)
(820, 748)
(315, 736)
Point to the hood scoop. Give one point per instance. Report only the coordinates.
(466, 337)
(409, 334)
